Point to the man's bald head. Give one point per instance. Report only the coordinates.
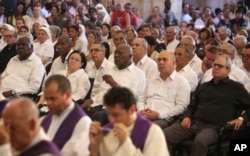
(192, 34)
(166, 63)
(20, 118)
(21, 108)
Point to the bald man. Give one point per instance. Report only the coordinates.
(22, 130)
(166, 94)
(125, 73)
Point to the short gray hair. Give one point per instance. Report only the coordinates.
(171, 54)
(144, 43)
(228, 60)
(190, 38)
(55, 29)
(174, 28)
(224, 30)
(187, 50)
(234, 51)
(241, 37)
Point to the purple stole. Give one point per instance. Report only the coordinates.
(139, 132)
(41, 148)
(66, 129)
(2, 105)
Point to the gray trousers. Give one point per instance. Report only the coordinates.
(204, 134)
(162, 123)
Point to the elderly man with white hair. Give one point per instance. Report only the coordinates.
(224, 34)
(239, 43)
(110, 41)
(194, 61)
(236, 73)
(170, 38)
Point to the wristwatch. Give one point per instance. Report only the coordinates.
(241, 118)
(13, 92)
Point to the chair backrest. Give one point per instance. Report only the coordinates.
(88, 96)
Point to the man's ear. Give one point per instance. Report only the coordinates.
(32, 124)
(132, 109)
(130, 56)
(68, 94)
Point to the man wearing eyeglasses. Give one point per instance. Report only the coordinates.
(240, 42)
(236, 73)
(216, 102)
(100, 66)
(9, 50)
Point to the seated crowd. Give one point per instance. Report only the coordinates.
(107, 82)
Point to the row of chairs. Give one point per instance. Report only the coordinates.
(222, 147)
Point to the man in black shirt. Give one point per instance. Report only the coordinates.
(215, 103)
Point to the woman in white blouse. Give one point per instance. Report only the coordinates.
(78, 78)
(44, 47)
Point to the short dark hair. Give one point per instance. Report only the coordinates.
(75, 27)
(146, 25)
(83, 58)
(133, 31)
(92, 9)
(151, 41)
(62, 82)
(213, 41)
(208, 31)
(119, 96)
(107, 49)
(89, 25)
(213, 49)
(25, 27)
(27, 40)
(22, 19)
(239, 11)
(247, 46)
(54, 5)
(93, 32)
(24, 7)
(121, 32)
